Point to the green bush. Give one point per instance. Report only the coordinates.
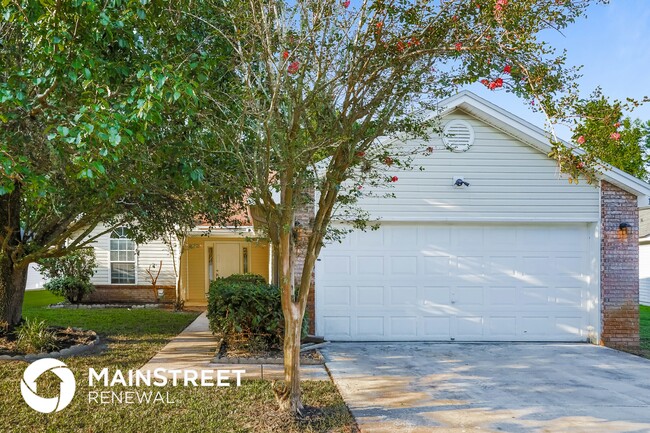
(34, 337)
(70, 275)
(73, 289)
(245, 308)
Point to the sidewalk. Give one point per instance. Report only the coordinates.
(194, 347)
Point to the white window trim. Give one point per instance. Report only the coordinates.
(110, 263)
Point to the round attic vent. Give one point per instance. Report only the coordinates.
(458, 135)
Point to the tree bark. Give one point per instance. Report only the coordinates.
(13, 275)
(291, 398)
(12, 291)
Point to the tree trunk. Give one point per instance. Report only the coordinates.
(12, 292)
(13, 279)
(291, 398)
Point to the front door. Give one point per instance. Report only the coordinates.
(223, 260)
(228, 260)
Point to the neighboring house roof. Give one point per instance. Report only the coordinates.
(533, 136)
(644, 224)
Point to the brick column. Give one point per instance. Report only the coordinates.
(619, 269)
(304, 217)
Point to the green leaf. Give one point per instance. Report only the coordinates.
(64, 131)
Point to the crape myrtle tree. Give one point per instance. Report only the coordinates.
(327, 87)
(610, 137)
(97, 126)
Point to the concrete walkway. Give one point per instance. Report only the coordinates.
(526, 388)
(194, 348)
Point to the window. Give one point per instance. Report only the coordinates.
(122, 257)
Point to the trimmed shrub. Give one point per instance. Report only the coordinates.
(34, 337)
(244, 308)
(73, 289)
(70, 275)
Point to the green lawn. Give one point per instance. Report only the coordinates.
(132, 337)
(645, 330)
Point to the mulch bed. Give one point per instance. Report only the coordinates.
(228, 353)
(65, 338)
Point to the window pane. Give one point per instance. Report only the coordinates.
(122, 273)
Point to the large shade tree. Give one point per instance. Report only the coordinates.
(98, 125)
(326, 86)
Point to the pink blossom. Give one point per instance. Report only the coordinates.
(507, 69)
(458, 46)
(615, 136)
(293, 67)
(581, 139)
(285, 55)
(346, 4)
(394, 179)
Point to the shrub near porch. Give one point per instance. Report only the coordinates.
(246, 312)
(132, 338)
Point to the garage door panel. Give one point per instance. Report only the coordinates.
(403, 326)
(370, 326)
(501, 296)
(463, 282)
(437, 265)
(337, 265)
(403, 295)
(469, 327)
(337, 327)
(337, 296)
(370, 265)
(468, 295)
(404, 265)
(403, 238)
(436, 327)
(370, 296)
(436, 295)
(501, 327)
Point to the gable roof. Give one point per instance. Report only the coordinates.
(533, 136)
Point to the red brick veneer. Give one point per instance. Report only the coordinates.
(619, 269)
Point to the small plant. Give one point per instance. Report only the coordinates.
(73, 289)
(69, 276)
(153, 278)
(34, 337)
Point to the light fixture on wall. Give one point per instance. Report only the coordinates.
(624, 226)
(459, 181)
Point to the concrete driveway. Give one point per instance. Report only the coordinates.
(423, 387)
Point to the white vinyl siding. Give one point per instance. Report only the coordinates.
(150, 255)
(509, 181)
(644, 273)
(146, 254)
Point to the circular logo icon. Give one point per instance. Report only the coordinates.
(28, 385)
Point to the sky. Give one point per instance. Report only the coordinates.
(613, 45)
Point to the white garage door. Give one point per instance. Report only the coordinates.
(458, 282)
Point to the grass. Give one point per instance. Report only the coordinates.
(644, 313)
(132, 337)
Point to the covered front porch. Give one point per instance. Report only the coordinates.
(221, 253)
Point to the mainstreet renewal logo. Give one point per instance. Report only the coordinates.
(158, 377)
(28, 385)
